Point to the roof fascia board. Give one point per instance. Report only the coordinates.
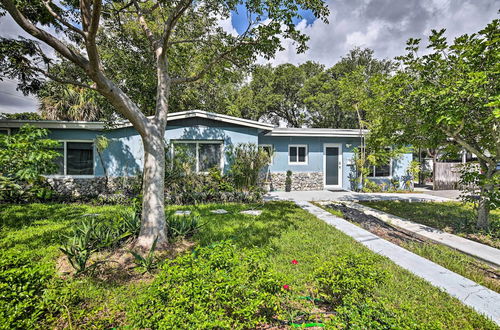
(219, 117)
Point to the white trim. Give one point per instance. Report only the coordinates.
(340, 165)
(5, 129)
(198, 142)
(272, 151)
(323, 132)
(65, 161)
(219, 117)
(297, 162)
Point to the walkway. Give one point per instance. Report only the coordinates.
(484, 252)
(483, 300)
(327, 195)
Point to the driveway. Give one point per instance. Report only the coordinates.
(327, 195)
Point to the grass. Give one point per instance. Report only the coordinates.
(283, 229)
(451, 217)
(449, 258)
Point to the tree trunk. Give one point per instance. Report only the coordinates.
(483, 209)
(153, 226)
(483, 213)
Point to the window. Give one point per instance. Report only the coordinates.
(268, 148)
(297, 154)
(384, 170)
(4, 131)
(76, 158)
(203, 155)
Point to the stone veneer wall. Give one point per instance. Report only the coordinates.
(300, 181)
(92, 186)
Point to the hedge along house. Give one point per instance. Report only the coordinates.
(318, 158)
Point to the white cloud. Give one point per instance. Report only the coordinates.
(384, 26)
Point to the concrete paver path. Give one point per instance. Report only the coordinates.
(480, 298)
(484, 252)
(327, 195)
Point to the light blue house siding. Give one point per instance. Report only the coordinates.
(315, 164)
(124, 155)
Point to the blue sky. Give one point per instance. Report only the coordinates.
(239, 18)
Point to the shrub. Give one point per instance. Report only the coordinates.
(24, 157)
(348, 279)
(246, 162)
(220, 286)
(288, 181)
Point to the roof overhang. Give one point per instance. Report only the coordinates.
(316, 132)
(219, 117)
(51, 124)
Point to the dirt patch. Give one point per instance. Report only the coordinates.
(378, 227)
(118, 266)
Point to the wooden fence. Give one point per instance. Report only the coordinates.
(446, 175)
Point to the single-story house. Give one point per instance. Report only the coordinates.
(319, 158)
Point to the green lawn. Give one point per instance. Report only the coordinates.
(452, 217)
(447, 257)
(283, 231)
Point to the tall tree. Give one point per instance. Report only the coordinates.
(321, 94)
(180, 40)
(448, 97)
(273, 93)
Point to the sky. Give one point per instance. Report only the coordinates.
(382, 25)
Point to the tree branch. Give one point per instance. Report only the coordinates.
(145, 27)
(171, 22)
(209, 66)
(469, 147)
(44, 36)
(64, 81)
(47, 4)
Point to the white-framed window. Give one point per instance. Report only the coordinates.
(268, 148)
(4, 131)
(297, 154)
(76, 158)
(203, 155)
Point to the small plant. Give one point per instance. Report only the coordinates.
(220, 286)
(182, 226)
(146, 263)
(288, 181)
(98, 233)
(80, 246)
(348, 279)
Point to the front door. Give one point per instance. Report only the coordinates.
(332, 155)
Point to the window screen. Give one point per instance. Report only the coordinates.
(209, 155)
(79, 158)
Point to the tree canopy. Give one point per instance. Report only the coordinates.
(449, 96)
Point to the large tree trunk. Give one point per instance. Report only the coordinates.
(153, 225)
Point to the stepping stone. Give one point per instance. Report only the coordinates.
(182, 213)
(252, 212)
(219, 211)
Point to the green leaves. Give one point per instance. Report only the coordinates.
(27, 154)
